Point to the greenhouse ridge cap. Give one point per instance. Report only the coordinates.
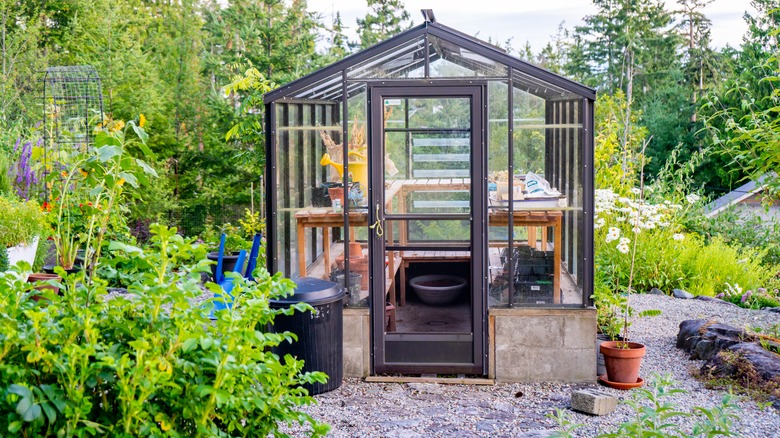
(440, 31)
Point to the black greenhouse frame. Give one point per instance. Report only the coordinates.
(521, 105)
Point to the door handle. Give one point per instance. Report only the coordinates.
(377, 225)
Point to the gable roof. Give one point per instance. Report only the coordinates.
(739, 194)
(467, 50)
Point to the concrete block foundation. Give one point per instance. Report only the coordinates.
(357, 342)
(524, 344)
(542, 345)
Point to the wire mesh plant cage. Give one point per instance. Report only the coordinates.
(73, 105)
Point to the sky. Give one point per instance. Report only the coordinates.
(526, 20)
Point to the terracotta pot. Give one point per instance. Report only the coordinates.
(358, 265)
(336, 193)
(38, 277)
(49, 269)
(622, 363)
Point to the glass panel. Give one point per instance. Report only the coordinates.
(406, 60)
(326, 89)
(308, 224)
(449, 60)
(529, 133)
(428, 158)
(438, 112)
(499, 271)
(356, 202)
(538, 87)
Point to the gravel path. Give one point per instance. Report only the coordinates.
(360, 409)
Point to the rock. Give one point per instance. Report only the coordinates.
(593, 401)
(538, 434)
(656, 291)
(713, 300)
(765, 363)
(773, 309)
(747, 361)
(704, 339)
(679, 293)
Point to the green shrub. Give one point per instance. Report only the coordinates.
(20, 221)
(709, 266)
(148, 363)
(742, 228)
(666, 258)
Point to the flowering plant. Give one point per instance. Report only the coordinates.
(87, 190)
(624, 220)
(762, 297)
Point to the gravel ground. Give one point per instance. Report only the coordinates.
(361, 409)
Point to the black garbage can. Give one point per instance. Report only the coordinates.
(320, 334)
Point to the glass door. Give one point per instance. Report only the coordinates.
(427, 239)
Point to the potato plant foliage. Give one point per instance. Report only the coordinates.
(148, 363)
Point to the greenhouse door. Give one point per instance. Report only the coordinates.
(428, 247)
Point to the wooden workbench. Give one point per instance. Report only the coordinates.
(400, 189)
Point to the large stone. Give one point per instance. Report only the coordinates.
(765, 363)
(714, 300)
(593, 401)
(679, 293)
(704, 339)
(656, 291)
(746, 358)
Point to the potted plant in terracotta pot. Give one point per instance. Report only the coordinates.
(622, 357)
(21, 225)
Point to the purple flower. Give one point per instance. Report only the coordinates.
(22, 173)
(720, 295)
(746, 296)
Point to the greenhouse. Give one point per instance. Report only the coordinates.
(460, 221)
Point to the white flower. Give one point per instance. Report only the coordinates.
(625, 240)
(614, 234)
(678, 236)
(623, 247)
(599, 223)
(692, 198)
(636, 230)
(636, 191)
(620, 219)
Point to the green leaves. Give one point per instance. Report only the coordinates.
(151, 363)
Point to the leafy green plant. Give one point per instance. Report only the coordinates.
(20, 221)
(707, 267)
(3, 258)
(251, 223)
(92, 186)
(759, 299)
(148, 363)
(743, 228)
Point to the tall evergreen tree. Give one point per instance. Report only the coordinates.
(628, 44)
(699, 58)
(338, 46)
(741, 103)
(385, 19)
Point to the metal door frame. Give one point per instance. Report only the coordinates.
(477, 92)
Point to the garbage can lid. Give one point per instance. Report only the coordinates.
(313, 291)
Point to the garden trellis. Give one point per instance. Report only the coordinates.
(73, 105)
